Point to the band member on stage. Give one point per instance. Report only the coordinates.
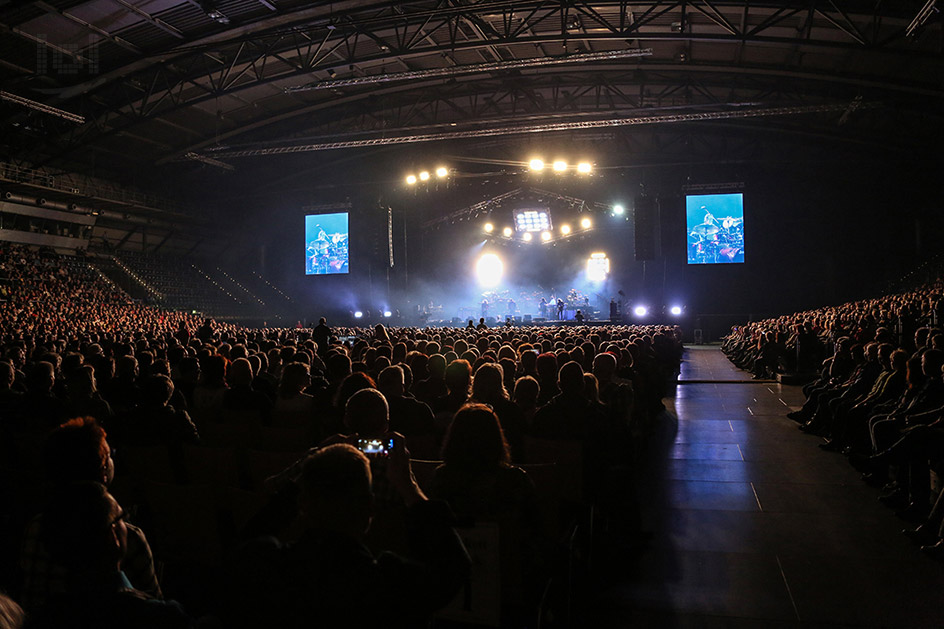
(484, 308)
(560, 309)
(578, 317)
(543, 308)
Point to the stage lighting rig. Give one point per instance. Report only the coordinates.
(532, 220)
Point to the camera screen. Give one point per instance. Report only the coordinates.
(375, 446)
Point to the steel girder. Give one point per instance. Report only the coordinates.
(368, 37)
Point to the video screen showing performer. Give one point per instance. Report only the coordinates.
(715, 224)
(326, 244)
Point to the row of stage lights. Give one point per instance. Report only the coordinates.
(560, 166)
(546, 235)
(536, 165)
(424, 175)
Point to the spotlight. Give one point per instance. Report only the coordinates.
(640, 311)
(618, 209)
(536, 164)
(489, 269)
(565, 229)
(526, 237)
(507, 232)
(545, 236)
(585, 223)
(358, 314)
(441, 172)
(598, 267)
(584, 168)
(387, 313)
(560, 166)
(675, 310)
(410, 180)
(424, 176)
(488, 228)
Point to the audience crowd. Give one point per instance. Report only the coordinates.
(874, 393)
(276, 477)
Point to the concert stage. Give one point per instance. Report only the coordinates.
(550, 323)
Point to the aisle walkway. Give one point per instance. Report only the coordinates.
(757, 527)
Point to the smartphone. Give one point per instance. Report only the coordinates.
(375, 446)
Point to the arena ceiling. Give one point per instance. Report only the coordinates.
(176, 86)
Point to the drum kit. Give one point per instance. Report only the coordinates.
(711, 243)
(328, 256)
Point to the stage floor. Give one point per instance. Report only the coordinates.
(754, 526)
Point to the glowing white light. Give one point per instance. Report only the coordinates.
(387, 313)
(536, 164)
(585, 223)
(411, 179)
(584, 168)
(526, 237)
(565, 229)
(489, 227)
(358, 314)
(442, 171)
(618, 209)
(424, 176)
(560, 166)
(507, 232)
(676, 310)
(489, 269)
(545, 236)
(598, 267)
(532, 220)
(640, 311)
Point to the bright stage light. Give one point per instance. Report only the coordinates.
(507, 232)
(618, 209)
(411, 179)
(560, 166)
(585, 223)
(536, 164)
(675, 310)
(545, 236)
(442, 171)
(565, 229)
(489, 227)
(640, 311)
(526, 237)
(424, 176)
(532, 220)
(358, 314)
(387, 313)
(598, 267)
(584, 168)
(489, 269)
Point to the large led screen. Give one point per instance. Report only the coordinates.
(326, 244)
(715, 224)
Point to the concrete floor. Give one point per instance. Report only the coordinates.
(757, 527)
